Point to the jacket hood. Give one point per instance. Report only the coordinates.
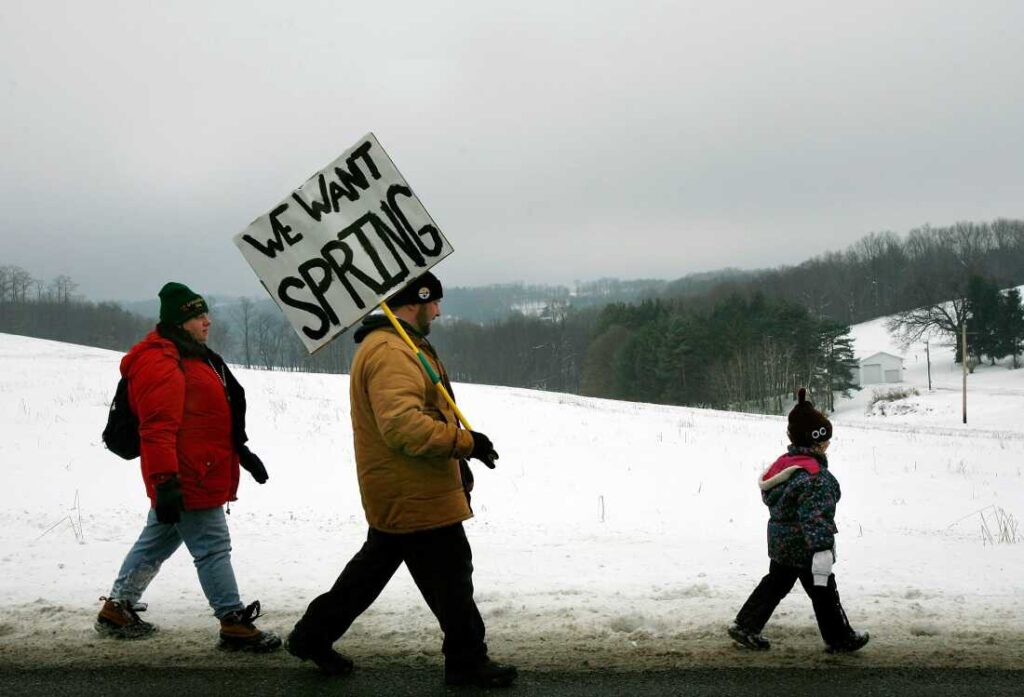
(151, 342)
(374, 322)
(785, 467)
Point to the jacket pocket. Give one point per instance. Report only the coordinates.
(207, 469)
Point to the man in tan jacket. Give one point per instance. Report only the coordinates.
(410, 458)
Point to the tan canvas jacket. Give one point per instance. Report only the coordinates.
(407, 442)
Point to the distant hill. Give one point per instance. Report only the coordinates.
(703, 282)
(496, 302)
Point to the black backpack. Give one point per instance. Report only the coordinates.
(121, 435)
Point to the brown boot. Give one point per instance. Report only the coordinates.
(120, 619)
(238, 633)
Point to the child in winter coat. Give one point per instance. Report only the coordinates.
(801, 494)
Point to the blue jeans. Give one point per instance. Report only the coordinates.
(205, 534)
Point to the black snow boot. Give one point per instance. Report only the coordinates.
(120, 619)
(854, 642)
(486, 673)
(748, 639)
(329, 661)
(238, 633)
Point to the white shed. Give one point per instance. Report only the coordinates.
(881, 367)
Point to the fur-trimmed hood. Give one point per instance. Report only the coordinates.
(785, 467)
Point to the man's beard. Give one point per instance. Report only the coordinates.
(422, 320)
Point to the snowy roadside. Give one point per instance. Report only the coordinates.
(390, 636)
(631, 603)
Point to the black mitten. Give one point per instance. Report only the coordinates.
(483, 449)
(169, 500)
(252, 464)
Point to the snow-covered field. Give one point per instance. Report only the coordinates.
(611, 534)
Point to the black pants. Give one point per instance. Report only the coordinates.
(832, 622)
(441, 564)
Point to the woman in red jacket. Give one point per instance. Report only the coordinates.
(191, 413)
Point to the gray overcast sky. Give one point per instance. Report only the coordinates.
(550, 140)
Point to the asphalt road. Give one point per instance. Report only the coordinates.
(731, 682)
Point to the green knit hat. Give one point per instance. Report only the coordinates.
(178, 304)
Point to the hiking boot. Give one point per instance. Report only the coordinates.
(748, 639)
(854, 642)
(329, 661)
(486, 673)
(120, 619)
(238, 633)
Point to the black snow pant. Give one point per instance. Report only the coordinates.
(440, 562)
(832, 621)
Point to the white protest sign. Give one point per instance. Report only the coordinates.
(341, 243)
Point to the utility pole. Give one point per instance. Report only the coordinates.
(928, 357)
(963, 361)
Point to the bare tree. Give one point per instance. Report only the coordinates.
(6, 276)
(21, 281)
(945, 318)
(270, 331)
(62, 289)
(244, 315)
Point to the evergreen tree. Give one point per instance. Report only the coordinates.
(838, 366)
(1010, 326)
(984, 306)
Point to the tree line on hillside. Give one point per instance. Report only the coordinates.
(52, 310)
(746, 354)
(543, 353)
(745, 342)
(879, 275)
(740, 353)
(735, 340)
(883, 274)
(244, 333)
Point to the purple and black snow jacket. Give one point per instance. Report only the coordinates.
(801, 495)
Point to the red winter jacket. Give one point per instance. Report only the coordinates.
(184, 422)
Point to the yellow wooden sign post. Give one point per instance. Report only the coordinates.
(431, 373)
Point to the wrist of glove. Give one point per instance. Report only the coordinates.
(821, 566)
(169, 500)
(483, 449)
(252, 464)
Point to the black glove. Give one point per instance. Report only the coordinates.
(252, 464)
(483, 449)
(169, 501)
